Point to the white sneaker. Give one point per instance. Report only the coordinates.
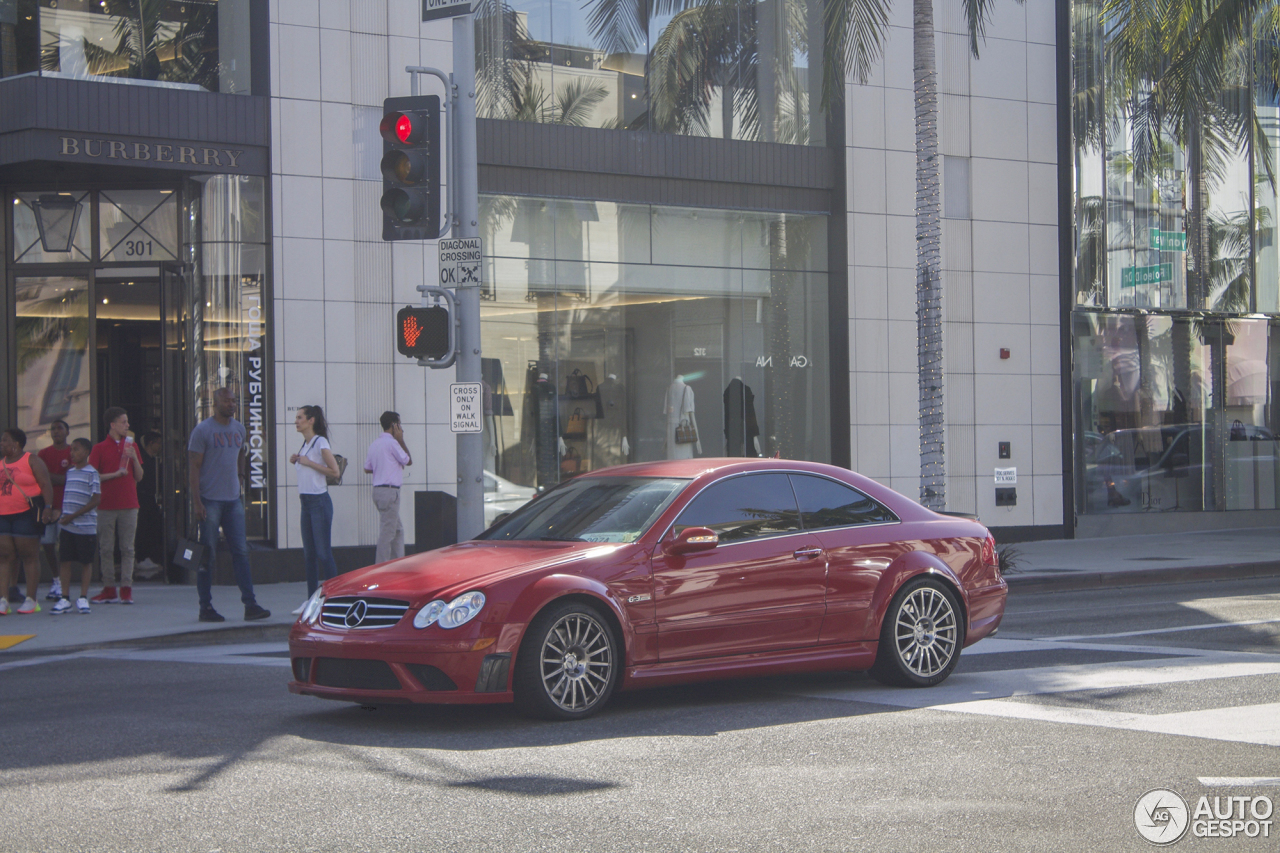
(63, 606)
(82, 604)
(301, 607)
(148, 564)
(55, 590)
(4, 606)
(29, 606)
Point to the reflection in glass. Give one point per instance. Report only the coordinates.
(229, 323)
(736, 70)
(51, 332)
(1176, 414)
(585, 332)
(199, 44)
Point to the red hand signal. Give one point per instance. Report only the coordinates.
(412, 331)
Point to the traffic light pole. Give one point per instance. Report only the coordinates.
(466, 209)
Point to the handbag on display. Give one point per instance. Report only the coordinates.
(571, 462)
(578, 385)
(576, 427)
(686, 432)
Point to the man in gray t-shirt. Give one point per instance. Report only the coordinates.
(215, 465)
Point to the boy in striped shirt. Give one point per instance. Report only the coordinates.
(78, 538)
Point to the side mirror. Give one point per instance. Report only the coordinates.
(691, 540)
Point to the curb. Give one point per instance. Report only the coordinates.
(209, 637)
(1141, 577)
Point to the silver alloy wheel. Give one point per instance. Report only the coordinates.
(576, 662)
(925, 631)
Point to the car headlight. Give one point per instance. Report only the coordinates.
(428, 614)
(312, 608)
(460, 611)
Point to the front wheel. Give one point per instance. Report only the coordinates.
(568, 665)
(921, 637)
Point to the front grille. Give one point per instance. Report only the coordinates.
(355, 674)
(344, 612)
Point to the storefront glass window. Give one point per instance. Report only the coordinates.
(52, 228)
(200, 44)
(599, 355)
(1176, 414)
(229, 321)
(740, 70)
(138, 225)
(51, 332)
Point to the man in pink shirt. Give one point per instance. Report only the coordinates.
(115, 458)
(386, 461)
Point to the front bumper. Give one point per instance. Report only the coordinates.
(400, 665)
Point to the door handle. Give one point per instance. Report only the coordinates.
(806, 553)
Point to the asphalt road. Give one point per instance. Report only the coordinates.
(1044, 739)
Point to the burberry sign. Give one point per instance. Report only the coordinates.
(159, 152)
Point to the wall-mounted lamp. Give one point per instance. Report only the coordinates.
(57, 216)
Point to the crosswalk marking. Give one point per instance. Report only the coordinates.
(996, 693)
(1177, 630)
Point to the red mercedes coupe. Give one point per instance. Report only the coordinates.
(660, 573)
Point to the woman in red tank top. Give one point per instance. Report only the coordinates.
(23, 478)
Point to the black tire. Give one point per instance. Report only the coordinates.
(569, 663)
(921, 637)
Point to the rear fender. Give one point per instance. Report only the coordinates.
(910, 565)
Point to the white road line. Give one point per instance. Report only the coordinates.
(1240, 781)
(1257, 724)
(250, 654)
(1203, 627)
(1003, 684)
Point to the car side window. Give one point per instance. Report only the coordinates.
(826, 503)
(743, 508)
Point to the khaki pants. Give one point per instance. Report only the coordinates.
(109, 521)
(390, 530)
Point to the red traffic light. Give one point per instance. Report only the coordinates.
(403, 128)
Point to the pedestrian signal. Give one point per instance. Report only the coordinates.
(423, 332)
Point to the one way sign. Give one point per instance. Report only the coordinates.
(460, 262)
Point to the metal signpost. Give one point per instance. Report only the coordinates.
(460, 258)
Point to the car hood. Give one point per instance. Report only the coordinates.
(469, 565)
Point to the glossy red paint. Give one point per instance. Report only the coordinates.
(808, 600)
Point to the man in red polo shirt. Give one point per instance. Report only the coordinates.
(57, 458)
(120, 470)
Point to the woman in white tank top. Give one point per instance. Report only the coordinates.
(314, 461)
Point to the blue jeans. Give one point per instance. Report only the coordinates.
(317, 526)
(229, 515)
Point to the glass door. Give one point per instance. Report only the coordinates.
(179, 405)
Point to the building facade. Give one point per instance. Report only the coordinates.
(710, 248)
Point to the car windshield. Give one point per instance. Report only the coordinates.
(593, 509)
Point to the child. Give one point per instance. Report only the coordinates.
(78, 537)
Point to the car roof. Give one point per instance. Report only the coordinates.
(693, 468)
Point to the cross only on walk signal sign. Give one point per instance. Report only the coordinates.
(460, 262)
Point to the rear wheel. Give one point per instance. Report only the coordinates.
(921, 637)
(569, 663)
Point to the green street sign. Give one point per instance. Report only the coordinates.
(1168, 241)
(1134, 276)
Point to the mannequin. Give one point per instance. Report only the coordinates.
(741, 430)
(679, 405)
(611, 427)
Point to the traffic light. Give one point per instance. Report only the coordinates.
(423, 332)
(410, 131)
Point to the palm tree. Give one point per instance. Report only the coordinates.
(854, 41)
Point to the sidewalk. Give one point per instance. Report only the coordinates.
(166, 615)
